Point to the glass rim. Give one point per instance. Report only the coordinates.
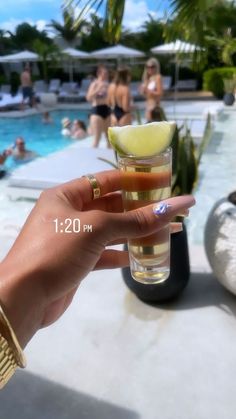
(132, 157)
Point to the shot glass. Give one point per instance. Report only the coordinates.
(146, 181)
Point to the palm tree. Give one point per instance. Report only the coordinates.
(25, 35)
(47, 51)
(190, 20)
(71, 26)
(94, 36)
(114, 11)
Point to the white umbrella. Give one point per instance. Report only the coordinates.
(20, 57)
(118, 52)
(74, 54)
(176, 48)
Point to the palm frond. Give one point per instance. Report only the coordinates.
(113, 20)
(114, 11)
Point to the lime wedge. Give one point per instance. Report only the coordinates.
(142, 140)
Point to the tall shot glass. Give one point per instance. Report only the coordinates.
(145, 181)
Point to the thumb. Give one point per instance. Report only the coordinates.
(149, 219)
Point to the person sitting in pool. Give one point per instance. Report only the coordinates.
(3, 157)
(20, 153)
(78, 130)
(46, 119)
(66, 127)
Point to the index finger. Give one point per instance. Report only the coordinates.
(79, 192)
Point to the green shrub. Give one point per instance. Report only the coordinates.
(213, 80)
(14, 82)
(3, 79)
(137, 73)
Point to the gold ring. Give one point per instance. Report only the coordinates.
(95, 186)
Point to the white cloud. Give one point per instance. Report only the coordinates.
(136, 12)
(11, 24)
(16, 4)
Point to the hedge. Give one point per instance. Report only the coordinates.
(213, 80)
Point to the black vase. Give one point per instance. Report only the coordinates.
(177, 281)
(229, 99)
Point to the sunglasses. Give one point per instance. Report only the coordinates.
(150, 66)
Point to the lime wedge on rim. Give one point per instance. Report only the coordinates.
(142, 140)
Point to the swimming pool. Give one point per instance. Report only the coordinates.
(39, 137)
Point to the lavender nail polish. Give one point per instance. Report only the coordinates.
(161, 209)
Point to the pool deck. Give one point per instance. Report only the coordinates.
(112, 356)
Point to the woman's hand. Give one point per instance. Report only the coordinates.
(45, 266)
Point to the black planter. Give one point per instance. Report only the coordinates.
(177, 281)
(229, 99)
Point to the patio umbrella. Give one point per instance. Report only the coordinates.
(118, 52)
(176, 48)
(20, 57)
(74, 54)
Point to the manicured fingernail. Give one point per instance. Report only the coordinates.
(161, 209)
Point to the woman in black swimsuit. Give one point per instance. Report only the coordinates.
(100, 113)
(119, 98)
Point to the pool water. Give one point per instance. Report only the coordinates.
(39, 137)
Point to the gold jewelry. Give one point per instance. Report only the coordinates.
(95, 186)
(8, 363)
(11, 354)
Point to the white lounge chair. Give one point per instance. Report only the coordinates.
(135, 90)
(84, 85)
(8, 101)
(166, 82)
(5, 88)
(40, 87)
(54, 86)
(69, 92)
(190, 84)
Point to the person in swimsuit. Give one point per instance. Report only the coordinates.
(78, 131)
(27, 88)
(119, 97)
(100, 113)
(151, 87)
(20, 153)
(3, 157)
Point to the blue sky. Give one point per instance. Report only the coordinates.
(13, 12)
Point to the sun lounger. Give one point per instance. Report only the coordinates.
(40, 87)
(54, 86)
(8, 101)
(135, 92)
(166, 82)
(190, 84)
(5, 88)
(84, 88)
(69, 92)
(75, 161)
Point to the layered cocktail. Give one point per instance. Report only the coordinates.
(147, 180)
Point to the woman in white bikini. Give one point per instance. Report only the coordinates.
(151, 87)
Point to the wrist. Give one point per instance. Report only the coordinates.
(21, 296)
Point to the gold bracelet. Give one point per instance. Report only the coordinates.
(11, 354)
